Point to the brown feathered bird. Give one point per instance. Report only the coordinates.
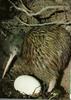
(46, 51)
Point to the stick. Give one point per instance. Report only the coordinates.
(25, 10)
(44, 24)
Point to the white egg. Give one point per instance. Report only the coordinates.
(26, 84)
(70, 96)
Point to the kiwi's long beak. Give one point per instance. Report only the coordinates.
(8, 64)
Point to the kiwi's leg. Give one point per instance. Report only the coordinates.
(52, 84)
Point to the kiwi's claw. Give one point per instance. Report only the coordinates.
(54, 94)
(52, 84)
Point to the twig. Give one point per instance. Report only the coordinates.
(18, 8)
(24, 7)
(25, 10)
(46, 8)
(35, 90)
(43, 24)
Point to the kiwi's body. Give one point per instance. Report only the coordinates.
(46, 51)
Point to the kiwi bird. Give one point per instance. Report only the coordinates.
(46, 51)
